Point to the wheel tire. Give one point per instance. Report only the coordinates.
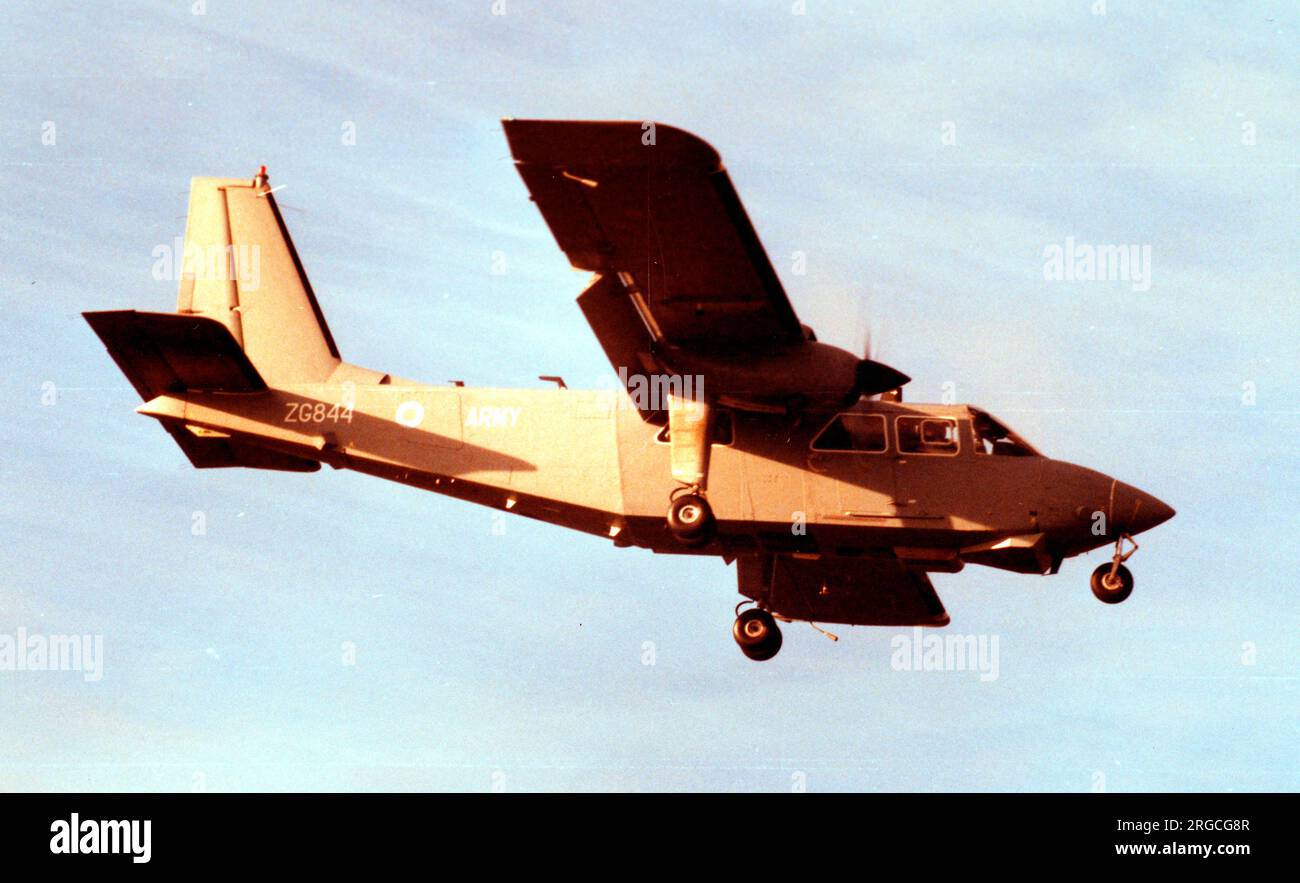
(690, 518)
(757, 634)
(763, 654)
(1111, 594)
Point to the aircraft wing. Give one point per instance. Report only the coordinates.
(856, 591)
(651, 207)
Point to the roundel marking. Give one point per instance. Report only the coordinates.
(410, 413)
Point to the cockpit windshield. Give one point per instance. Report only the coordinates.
(997, 439)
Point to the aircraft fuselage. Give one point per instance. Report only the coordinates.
(587, 460)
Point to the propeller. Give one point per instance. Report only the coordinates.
(875, 378)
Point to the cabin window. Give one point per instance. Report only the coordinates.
(723, 432)
(863, 433)
(926, 435)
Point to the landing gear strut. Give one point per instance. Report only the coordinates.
(756, 632)
(1112, 583)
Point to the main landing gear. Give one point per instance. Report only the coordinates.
(1113, 583)
(756, 632)
(690, 518)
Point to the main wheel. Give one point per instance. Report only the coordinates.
(1110, 589)
(691, 519)
(757, 634)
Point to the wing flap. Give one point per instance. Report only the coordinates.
(622, 334)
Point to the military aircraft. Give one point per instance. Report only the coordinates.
(733, 431)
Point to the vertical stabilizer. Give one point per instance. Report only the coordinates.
(240, 268)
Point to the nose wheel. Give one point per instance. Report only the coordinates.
(1113, 583)
(757, 634)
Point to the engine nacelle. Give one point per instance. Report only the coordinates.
(812, 372)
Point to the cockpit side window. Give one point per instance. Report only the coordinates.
(861, 433)
(994, 439)
(926, 435)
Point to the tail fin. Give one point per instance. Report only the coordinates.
(240, 268)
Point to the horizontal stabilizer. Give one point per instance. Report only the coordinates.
(217, 453)
(170, 353)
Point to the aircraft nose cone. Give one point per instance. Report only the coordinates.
(1139, 511)
(1158, 511)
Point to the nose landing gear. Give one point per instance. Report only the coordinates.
(1113, 583)
(756, 632)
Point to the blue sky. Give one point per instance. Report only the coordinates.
(515, 658)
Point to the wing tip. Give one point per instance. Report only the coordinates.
(563, 142)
